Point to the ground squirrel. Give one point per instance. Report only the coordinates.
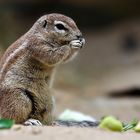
(27, 67)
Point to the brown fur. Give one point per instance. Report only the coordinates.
(27, 66)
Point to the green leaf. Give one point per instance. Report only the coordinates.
(6, 123)
(130, 125)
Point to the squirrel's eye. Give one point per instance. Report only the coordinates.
(60, 26)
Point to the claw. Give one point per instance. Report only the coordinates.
(33, 122)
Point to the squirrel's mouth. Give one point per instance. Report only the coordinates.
(78, 43)
(75, 43)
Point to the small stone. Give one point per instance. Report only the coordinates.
(36, 130)
(17, 127)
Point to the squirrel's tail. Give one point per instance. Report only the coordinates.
(76, 123)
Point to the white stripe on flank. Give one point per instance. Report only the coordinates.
(24, 45)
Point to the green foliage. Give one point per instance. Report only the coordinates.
(113, 124)
(6, 123)
(130, 125)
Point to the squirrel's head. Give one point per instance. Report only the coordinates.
(60, 30)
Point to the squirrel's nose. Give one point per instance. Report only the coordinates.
(82, 40)
(79, 37)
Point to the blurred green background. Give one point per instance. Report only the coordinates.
(110, 62)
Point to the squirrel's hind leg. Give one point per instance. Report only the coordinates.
(14, 104)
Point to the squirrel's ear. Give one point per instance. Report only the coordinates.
(44, 23)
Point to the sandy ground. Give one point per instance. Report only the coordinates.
(63, 133)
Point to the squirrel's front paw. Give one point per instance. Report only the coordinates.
(33, 122)
(77, 44)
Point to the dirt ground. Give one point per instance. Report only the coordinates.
(63, 133)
